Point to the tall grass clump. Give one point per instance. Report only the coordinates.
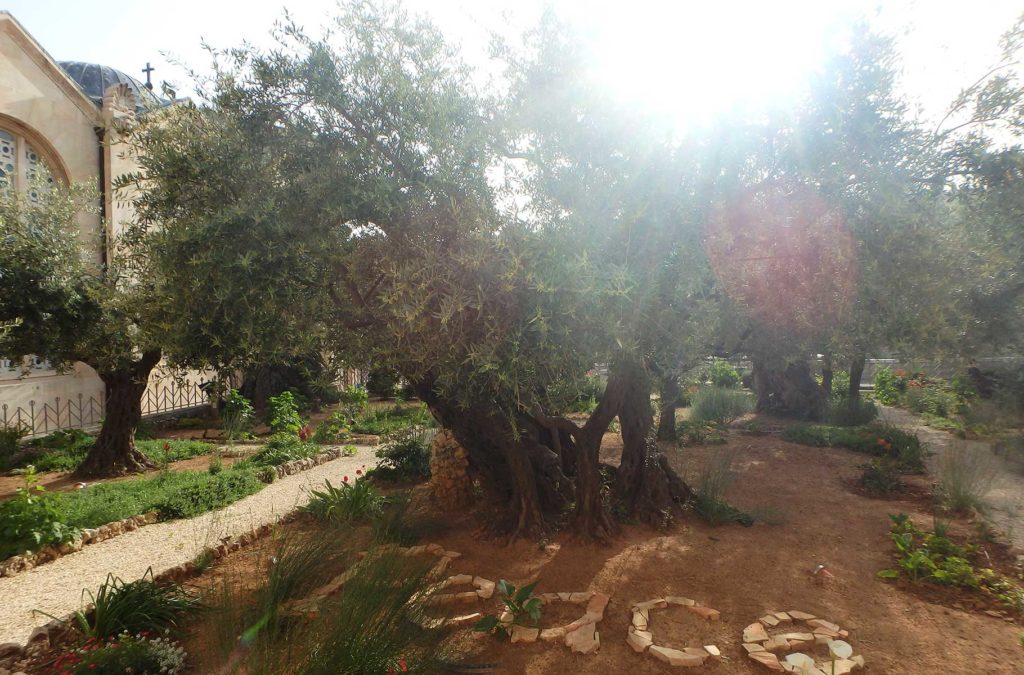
(134, 607)
(720, 405)
(714, 479)
(966, 476)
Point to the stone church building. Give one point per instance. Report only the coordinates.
(65, 116)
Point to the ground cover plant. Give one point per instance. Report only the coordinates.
(65, 450)
(522, 604)
(876, 439)
(932, 557)
(37, 518)
(124, 653)
(383, 421)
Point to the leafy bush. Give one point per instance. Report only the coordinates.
(332, 430)
(888, 386)
(965, 476)
(124, 654)
(934, 558)
(347, 502)
(723, 374)
(134, 607)
(237, 416)
(881, 476)
(876, 439)
(720, 405)
(283, 447)
(381, 382)
(353, 401)
(522, 604)
(65, 450)
(10, 440)
(405, 454)
(840, 386)
(31, 520)
(283, 413)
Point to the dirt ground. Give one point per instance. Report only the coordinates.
(744, 572)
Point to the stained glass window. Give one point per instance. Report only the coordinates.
(37, 172)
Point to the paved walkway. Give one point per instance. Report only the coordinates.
(56, 587)
(1006, 500)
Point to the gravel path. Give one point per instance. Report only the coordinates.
(1005, 499)
(56, 587)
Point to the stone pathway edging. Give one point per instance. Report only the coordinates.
(764, 649)
(579, 636)
(641, 639)
(22, 563)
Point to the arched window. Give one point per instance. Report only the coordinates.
(23, 167)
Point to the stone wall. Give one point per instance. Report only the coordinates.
(450, 484)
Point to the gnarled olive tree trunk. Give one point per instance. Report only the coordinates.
(787, 389)
(670, 393)
(114, 452)
(646, 484)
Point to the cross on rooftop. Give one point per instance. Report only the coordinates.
(147, 70)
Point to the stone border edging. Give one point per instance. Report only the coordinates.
(22, 563)
(579, 636)
(764, 649)
(641, 639)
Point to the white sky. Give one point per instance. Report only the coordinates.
(687, 59)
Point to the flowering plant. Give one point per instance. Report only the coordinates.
(140, 654)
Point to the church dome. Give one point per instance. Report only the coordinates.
(95, 79)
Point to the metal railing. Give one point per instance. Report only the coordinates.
(86, 412)
(63, 413)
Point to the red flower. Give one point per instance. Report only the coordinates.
(167, 446)
(344, 479)
(403, 666)
(305, 433)
(359, 472)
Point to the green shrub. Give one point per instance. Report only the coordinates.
(720, 405)
(381, 382)
(124, 654)
(406, 454)
(840, 387)
(174, 450)
(283, 447)
(353, 401)
(876, 440)
(334, 429)
(237, 416)
(65, 450)
(32, 520)
(888, 386)
(881, 476)
(10, 442)
(283, 413)
(723, 374)
(347, 502)
(134, 607)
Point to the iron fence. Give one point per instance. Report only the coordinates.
(86, 412)
(63, 413)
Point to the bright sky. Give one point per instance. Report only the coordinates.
(685, 59)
